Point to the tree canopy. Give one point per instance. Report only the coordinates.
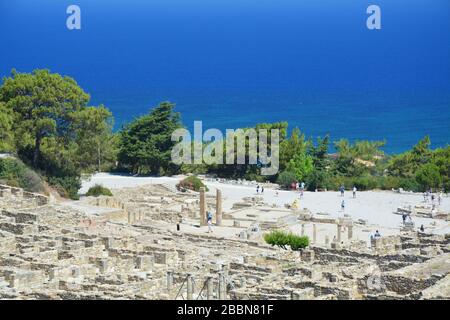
(6, 133)
(55, 130)
(145, 144)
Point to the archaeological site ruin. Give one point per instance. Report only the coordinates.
(152, 242)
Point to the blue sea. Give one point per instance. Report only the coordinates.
(235, 63)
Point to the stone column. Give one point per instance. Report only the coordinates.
(222, 287)
(314, 233)
(209, 288)
(190, 287)
(350, 232)
(338, 236)
(103, 265)
(243, 282)
(108, 242)
(169, 280)
(202, 207)
(218, 207)
(225, 269)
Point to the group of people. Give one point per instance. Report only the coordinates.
(300, 187)
(258, 188)
(209, 218)
(342, 190)
(406, 217)
(430, 197)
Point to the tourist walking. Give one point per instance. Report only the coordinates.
(209, 220)
(262, 190)
(343, 205)
(422, 229)
(440, 198)
(342, 189)
(257, 189)
(210, 226)
(209, 216)
(354, 191)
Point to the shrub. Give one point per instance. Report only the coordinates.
(286, 178)
(277, 238)
(283, 239)
(191, 183)
(99, 190)
(298, 242)
(318, 179)
(15, 173)
(364, 183)
(31, 181)
(388, 182)
(67, 187)
(409, 184)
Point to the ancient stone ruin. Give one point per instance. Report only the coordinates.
(151, 242)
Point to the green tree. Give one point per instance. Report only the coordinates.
(354, 160)
(302, 165)
(286, 178)
(44, 104)
(318, 178)
(428, 176)
(247, 170)
(6, 133)
(145, 144)
(441, 159)
(296, 144)
(95, 143)
(54, 129)
(406, 164)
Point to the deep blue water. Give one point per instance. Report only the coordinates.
(235, 63)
